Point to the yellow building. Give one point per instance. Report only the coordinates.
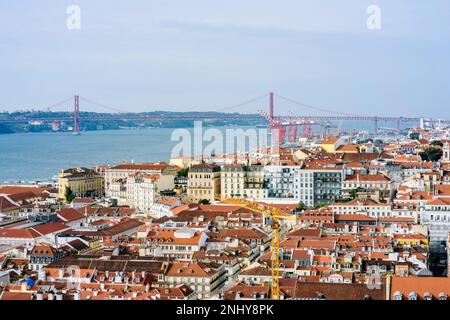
(83, 182)
(203, 182)
(411, 240)
(330, 144)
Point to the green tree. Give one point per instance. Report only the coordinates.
(301, 206)
(431, 154)
(183, 172)
(204, 201)
(414, 136)
(437, 143)
(68, 194)
(354, 193)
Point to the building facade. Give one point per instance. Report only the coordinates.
(203, 182)
(83, 182)
(316, 187)
(240, 181)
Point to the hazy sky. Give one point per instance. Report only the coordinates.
(204, 54)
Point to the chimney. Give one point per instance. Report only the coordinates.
(42, 275)
(59, 296)
(40, 296)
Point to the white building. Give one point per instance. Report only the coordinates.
(163, 207)
(437, 217)
(143, 190)
(280, 181)
(116, 177)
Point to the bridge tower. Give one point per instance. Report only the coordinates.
(271, 105)
(76, 112)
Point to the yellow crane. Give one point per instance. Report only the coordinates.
(275, 215)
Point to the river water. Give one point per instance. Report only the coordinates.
(40, 156)
(34, 156)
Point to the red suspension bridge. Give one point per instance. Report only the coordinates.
(288, 127)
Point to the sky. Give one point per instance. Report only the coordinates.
(199, 55)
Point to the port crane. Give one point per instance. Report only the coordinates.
(276, 218)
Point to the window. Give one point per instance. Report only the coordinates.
(412, 296)
(397, 295)
(427, 296)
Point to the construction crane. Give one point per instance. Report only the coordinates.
(275, 216)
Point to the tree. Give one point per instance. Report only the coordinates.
(183, 172)
(204, 201)
(431, 154)
(354, 193)
(68, 194)
(414, 136)
(301, 206)
(436, 143)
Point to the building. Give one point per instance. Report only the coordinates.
(163, 207)
(205, 279)
(203, 182)
(436, 216)
(280, 181)
(143, 190)
(116, 178)
(331, 144)
(316, 187)
(378, 183)
(366, 207)
(446, 152)
(83, 182)
(43, 254)
(240, 181)
(180, 244)
(417, 288)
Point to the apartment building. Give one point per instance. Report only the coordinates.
(240, 181)
(173, 243)
(316, 187)
(280, 181)
(83, 182)
(143, 190)
(203, 182)
(116, 177)
(436, 215)
(204, 278)
(377, 183)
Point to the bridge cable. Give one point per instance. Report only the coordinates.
(103, 105)
(242, 103)
(315, 108)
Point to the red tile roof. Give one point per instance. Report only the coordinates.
(69, 215)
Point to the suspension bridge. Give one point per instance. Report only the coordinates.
(287, 126)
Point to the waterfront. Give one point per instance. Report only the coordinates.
(35, 156)
(39, 156)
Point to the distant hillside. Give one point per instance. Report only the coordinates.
(5, 130)
(115, 124)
